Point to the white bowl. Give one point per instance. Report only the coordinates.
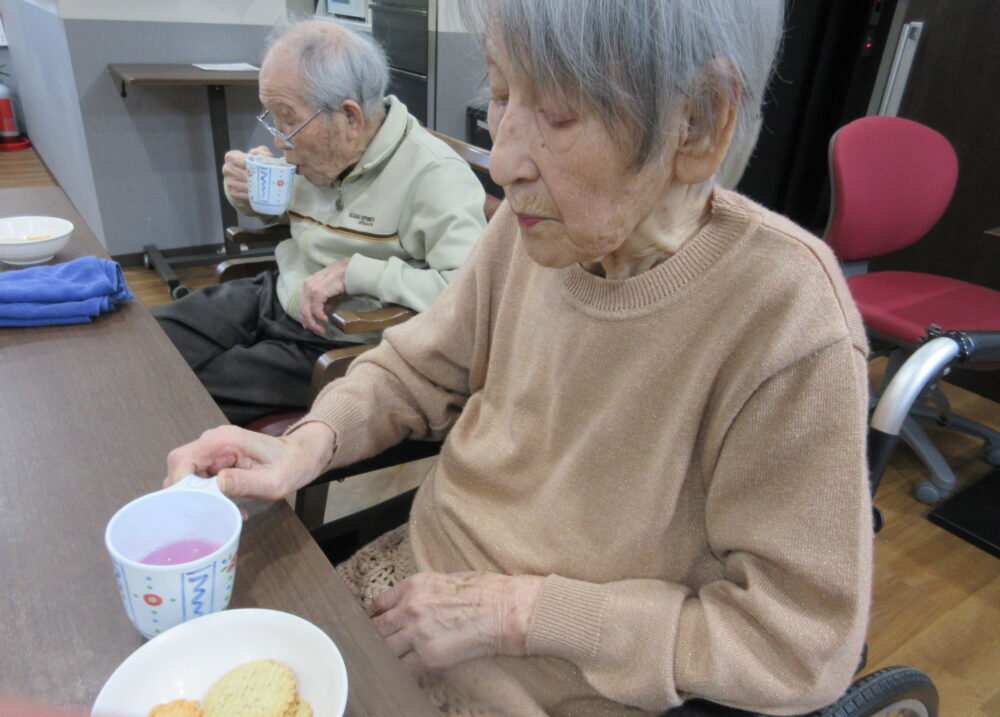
(18, 244)
(185, 661)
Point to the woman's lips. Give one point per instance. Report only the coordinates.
(527, 221)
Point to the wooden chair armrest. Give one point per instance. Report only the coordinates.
(266, 236)
(242, 268)
(358, 322)
(333, 364)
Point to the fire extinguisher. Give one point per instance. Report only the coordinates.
(10, 137)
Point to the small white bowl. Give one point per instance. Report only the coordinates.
(185, 661)
(20, 243)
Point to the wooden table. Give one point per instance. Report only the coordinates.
(87, 416)
(214, 82)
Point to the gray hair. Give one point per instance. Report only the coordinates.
(336, 64)
(635, 61)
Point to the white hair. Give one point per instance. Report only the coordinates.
(336, 64)
(634, 62)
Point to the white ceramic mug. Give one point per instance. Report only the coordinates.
(269, 183)
(188, 535)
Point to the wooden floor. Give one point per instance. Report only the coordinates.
(23, 168)
(937, 598)
(149, 287)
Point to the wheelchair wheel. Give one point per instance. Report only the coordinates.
(890, 692)
(179, 291)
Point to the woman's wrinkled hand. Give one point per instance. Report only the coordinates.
(432, 621)
(253, 464)
(317, 291)
(234, 172)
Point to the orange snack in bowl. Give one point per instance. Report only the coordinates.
(261, 688)
(177, 708)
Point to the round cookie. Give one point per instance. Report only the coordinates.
(262, 688)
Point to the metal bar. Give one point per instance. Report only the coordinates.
(220, 145)
(200, 259)
(918, 370)
(900, 72)
(161, 266)
(398, 10)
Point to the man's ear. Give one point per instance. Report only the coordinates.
(355, 117)
(706, 125)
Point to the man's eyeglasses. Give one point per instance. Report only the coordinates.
(267, 120)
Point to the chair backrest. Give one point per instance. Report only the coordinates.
(477, 157)
(892, 179)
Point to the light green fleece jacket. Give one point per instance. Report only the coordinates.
(409, 213)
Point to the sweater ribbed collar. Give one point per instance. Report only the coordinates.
(656, 288)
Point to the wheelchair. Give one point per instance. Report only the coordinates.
(897, 691)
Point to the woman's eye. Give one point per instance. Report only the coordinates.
(557, 121)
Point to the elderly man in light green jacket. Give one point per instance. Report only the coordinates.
(387, 213)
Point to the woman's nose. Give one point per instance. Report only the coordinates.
(510, 158)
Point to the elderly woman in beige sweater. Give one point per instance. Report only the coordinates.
(651, 392)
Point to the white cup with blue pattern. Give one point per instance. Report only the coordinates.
(174, 553)
(269, 183)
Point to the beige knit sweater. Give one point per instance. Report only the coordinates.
(681, 453)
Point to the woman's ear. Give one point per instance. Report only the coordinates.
(706, 125)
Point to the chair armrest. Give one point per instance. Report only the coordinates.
(267, 236)
(333, 364)
(242, 268)
(358, 322)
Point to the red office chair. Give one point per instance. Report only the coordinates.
(892, 180)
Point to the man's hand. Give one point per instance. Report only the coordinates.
(253, 464)
(317, 291)
(234, 172)
(432, 621)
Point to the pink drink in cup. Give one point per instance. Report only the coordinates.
(180, 551)
(174, 553)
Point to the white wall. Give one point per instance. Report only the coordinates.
(151, 151)
(50, 103)
(140, 168)
(246, 12)
(460, 71)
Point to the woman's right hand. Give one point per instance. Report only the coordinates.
(234, 172)
(252, 464)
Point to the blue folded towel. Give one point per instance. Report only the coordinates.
(70, 293)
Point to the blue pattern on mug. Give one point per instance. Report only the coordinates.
(123, 589)
(194, 586)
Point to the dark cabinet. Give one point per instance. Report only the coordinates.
(402, 32)
(411, 89)
(401, 27)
